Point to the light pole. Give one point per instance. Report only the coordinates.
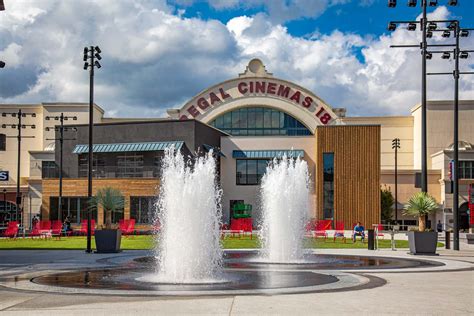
(61, 118)
(427, 28)
(396, 147)
(90, 54)
(19, 126)
(2, 8)
(457, 54)
(5, 199)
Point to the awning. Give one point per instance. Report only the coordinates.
(208, 148)
(127, 147)
(268, 154)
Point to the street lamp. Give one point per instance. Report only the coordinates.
(61, 128)
(2, 8)
(19, 126)
(457, 54)
(427, 28)
(90, 54)
(396, 147)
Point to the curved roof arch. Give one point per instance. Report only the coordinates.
(257, 87)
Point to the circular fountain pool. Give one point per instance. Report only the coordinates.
(242, 272)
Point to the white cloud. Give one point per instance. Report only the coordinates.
(153, 58)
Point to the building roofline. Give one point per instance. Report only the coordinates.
(441, 102)
(149, 121)
(51, 104)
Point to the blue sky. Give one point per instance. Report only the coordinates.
(157, 54)
(369, 17)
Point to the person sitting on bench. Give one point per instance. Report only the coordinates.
(359, 230)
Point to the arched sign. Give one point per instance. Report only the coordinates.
(251, 88)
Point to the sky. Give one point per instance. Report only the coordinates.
(157, 54)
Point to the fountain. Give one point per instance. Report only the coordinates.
(188, 249)
(285, 207)
(189, 259)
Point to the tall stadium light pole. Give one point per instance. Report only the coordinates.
(19, 126)
(457, 54)
(427, 27)
(396, 147)
(2, 8)
(61, 128)
(90, 54)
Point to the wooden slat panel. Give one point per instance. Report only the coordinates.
(356, 172)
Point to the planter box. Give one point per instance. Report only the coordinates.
(470, 239)
(423, 243)
(108, 240)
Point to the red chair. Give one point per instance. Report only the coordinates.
(44, 226)
(83, 230)
(379, 230)
(12, 230)
(56, 228)
(35, 232)
(339, 232)
(321, 228)
(127, 226)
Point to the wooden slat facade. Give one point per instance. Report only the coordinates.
(78, 188)
(356, 172)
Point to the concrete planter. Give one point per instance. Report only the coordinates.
(108, 240)
(423, 243)
(470, 239)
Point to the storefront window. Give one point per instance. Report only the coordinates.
(74, 207)
(466, 169)
(142, 209)
(250, 171)
(328, 186)
(259, 121)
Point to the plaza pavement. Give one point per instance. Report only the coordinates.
(405, 293)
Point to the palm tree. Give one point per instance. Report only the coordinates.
(111, 200)
(419, 205)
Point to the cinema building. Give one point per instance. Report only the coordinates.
(248, 121)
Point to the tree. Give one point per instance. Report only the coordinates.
(420, 205)
(111, 200)
(386, 200)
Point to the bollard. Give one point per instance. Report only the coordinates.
(447, 238)
(371, 239)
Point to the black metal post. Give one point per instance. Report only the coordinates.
(396, 184)
(424, 162)
(456, 143)
(61, 141)
(91, 122)
(5, 199)
(18, 173)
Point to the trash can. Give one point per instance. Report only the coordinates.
(371, 239)
(447, 239)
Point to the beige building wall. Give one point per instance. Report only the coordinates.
(250, 193)
(35, 149)
(440, 127)
(391, 127)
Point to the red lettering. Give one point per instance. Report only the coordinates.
(271, 88)
(325, 118)
(214, 98)
(202, 103)
(251, 86)
(296, 97)
(242, 87)
(183, 117)
(321, 111)
(307, 102)
(224, 95)
(259, 87)
(193, 111)
(283, 91)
